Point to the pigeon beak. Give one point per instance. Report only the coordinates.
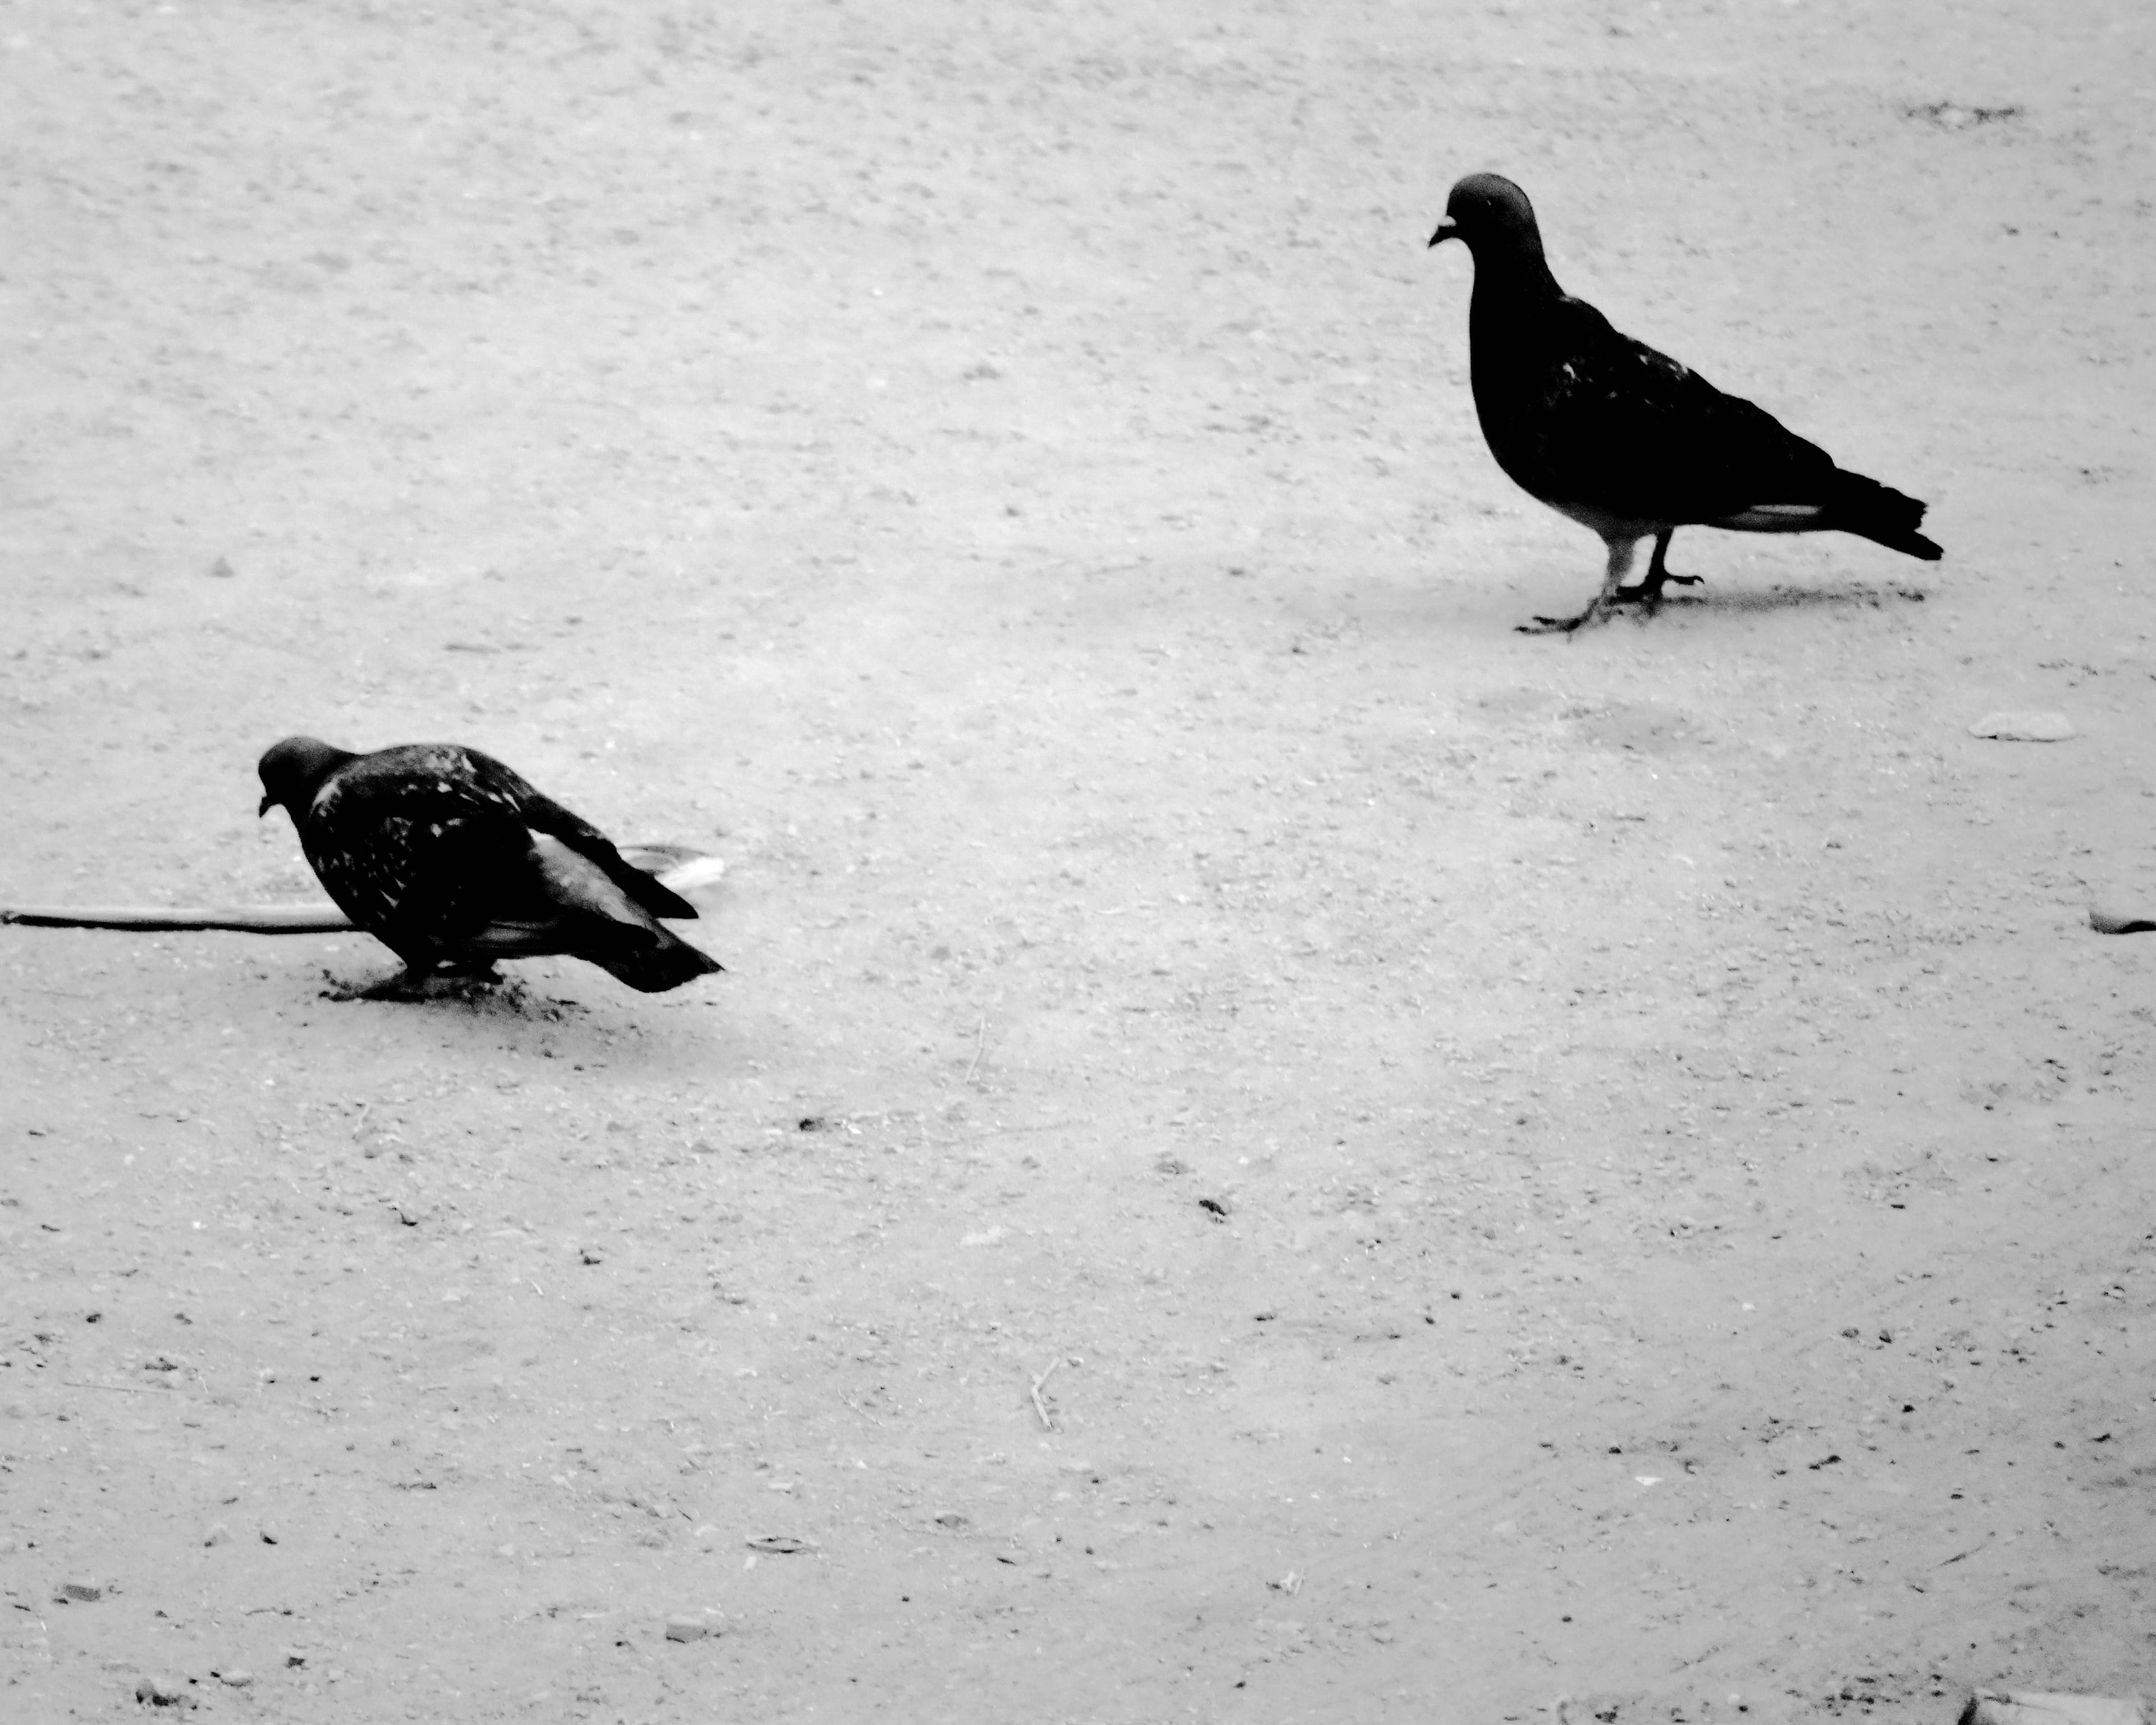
(1446, 230)
(268, 803)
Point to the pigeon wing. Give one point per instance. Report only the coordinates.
(1624, 428)
(543, 814)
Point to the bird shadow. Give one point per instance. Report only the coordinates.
(525, 1021)
(507, 999)
(1738, 602)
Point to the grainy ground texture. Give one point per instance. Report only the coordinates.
(1612, 1168)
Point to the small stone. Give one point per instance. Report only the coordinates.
(1993, 1707)
(222, 569)
(2109, 919)
(81, 1592)
(2031, 727)
(218, 1535)
(689, 1629)
(238, 1678)
(161, 1690)
(296, 1655)
(592, 1255)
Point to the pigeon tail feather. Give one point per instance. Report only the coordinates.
(665, 963)
(610, 929)
(1880, 513)
(653, 894)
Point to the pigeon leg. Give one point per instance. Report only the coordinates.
(1649, 592)
(1621, 552)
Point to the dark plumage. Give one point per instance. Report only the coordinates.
(451, 860)
(1622, 438)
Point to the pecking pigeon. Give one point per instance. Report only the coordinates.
(1622, 438)
(451, 860)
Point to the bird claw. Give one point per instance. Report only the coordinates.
(1649, 592)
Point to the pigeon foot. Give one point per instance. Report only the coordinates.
(1598, 611)
(417, 984)
(1648, 592)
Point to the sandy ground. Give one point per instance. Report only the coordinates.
(1611, 1168)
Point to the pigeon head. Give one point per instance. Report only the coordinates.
(1489, 211)
(292, 771)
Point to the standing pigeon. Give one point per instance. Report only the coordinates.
(1622, 438)
(451, 860)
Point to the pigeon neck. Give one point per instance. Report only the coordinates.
(1515, 277)
(1513, 295)
(311, 785)
(296, 778)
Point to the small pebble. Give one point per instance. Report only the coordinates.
(81, 1592)
(1990, 1707)
(163, 1692)
(222, 569)
(238, 1678)
(218, 1535)
(689, 1629)
(2107, 919)
(2032, 727)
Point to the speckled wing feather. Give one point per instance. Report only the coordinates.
(413, 848)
